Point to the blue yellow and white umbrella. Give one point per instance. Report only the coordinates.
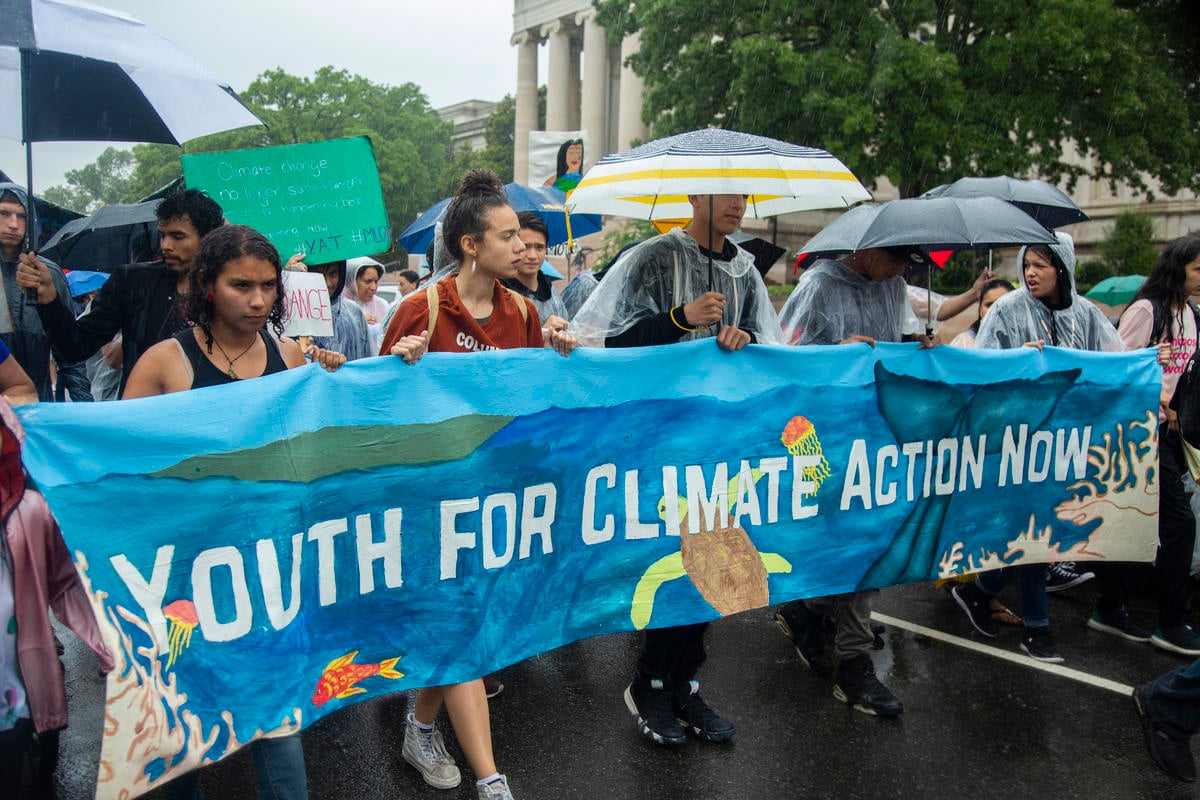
(653, 181)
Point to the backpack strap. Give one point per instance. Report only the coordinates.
(520, 300)
(431, 297)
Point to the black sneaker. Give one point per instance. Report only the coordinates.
(1173, 756)
(803, 627)
(1065, 574)
(696, 717)
(1118, 623)
(974, 602)
(650, 703)
(1039, 644)
(857, 686)
(1181, 639)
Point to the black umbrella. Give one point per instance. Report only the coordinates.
(92, 74)
(1043, 201)
(765, 253)
(113, 236)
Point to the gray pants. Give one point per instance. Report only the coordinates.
(853, 613)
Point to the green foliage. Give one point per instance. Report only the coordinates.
(925, 92)
(1128, 248)
(412, 144)
(1091, 272)
(103, 182)
(956, 277)
(499, 132)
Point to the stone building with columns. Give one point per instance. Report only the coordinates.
(587, 88)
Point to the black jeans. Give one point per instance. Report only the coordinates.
(1174, 702)
(14, 745)
(673, 655)
(1176, 538)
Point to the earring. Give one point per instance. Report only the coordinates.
(472, 265)
(210, 297)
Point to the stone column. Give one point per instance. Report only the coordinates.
(629, 124)
(573, 85)
(527, 102)
(595, 79)
(558, 117)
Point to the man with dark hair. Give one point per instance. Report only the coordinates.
(689, 283)
(21, 329)
(530, 280)
(142, 302)
(856, 298)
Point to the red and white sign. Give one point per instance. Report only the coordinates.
(309, 312)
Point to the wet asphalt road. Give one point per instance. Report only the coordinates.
(975, 725)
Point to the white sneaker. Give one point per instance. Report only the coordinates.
(496, 790)
(426, 750)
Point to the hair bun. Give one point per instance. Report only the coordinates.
(480, 182)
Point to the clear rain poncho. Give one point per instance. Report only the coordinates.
(578, 291)
(832, 302)
(1018, 317)
(669, 271)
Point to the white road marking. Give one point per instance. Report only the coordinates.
(1007, 655)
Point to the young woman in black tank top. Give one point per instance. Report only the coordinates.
(234, 295)
(206, 373)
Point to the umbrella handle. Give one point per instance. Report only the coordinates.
(31, 294)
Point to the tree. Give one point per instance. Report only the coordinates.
(1129, 248)
(105, 181)
(412, 144)
(927, 91)
(499, 133)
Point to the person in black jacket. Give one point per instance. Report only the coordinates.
(140, 301)
(20, 327)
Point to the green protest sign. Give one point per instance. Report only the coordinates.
(320, 198)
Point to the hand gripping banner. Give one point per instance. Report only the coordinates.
(263, 554)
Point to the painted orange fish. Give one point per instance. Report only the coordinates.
(339, 678)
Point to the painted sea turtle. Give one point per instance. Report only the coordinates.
(722, 563)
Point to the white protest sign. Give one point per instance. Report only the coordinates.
(306, 300)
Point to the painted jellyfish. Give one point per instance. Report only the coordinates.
(182, 619)
(800, 438)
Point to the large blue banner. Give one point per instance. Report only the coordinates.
(390, 526)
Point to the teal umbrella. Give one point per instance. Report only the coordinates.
(1117, 290)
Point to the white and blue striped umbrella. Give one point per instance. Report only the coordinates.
(71, 71)
(653, 181)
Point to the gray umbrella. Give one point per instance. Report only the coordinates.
(1043, 201)
(944, 223)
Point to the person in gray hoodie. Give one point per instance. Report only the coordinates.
(20, 326)
(351, 336)
(1046, 310)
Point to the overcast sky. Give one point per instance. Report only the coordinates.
(453, 49)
